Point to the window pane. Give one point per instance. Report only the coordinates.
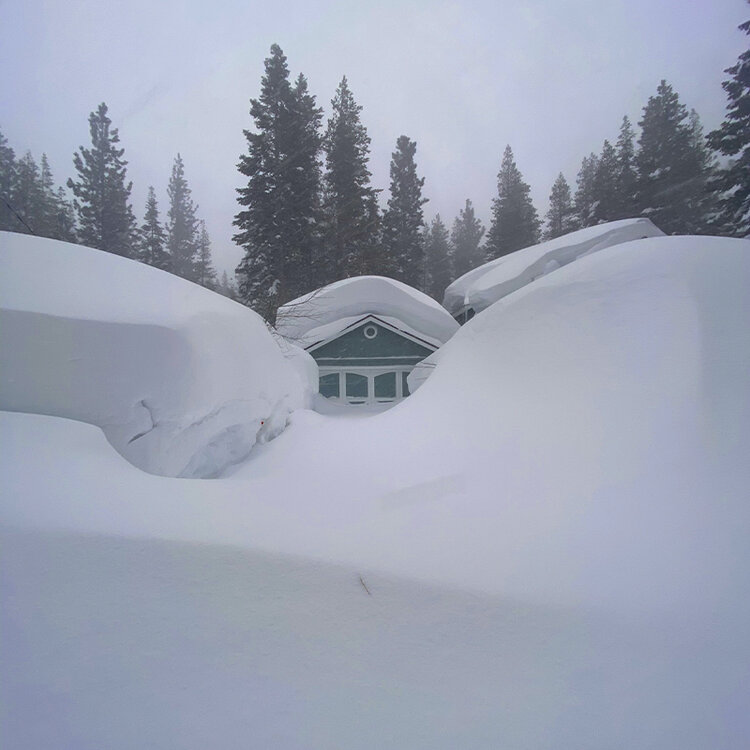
(356, 385)
(328, 385)
(404, 384)
(385, 385)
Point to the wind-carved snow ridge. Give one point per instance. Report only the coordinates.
(182, 381)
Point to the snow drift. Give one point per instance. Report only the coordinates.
(332, 308)
(544, 547)
(482, 286)
(182, 381)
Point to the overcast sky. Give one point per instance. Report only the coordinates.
(463, 79)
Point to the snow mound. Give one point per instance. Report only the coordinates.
(572, 483)
(182, 381)
(482, 286)
(332, 308)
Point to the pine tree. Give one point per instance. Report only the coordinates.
(438, 259)
(585, 197)
(28, 196)
(607, 198)
(304, 262)
(673, 170)
(226, 287)
(403, 219)
(627, 176)
(351, 213)
(182, 224)
(152, 237)
(105, 216)
(277, 226)
(65, 227)
(8, 177)
(515, 223)
(732, 138)
(561, 216)
(466, 238)
(205, 273)
(57, 219)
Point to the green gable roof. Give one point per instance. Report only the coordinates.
(386, 347)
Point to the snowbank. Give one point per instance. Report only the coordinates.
(328, 310)
(544, 547)
(482, 286)
(182, 381)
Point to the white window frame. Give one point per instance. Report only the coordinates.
(370, 373)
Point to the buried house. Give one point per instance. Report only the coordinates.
(479, 288)
(366, 334)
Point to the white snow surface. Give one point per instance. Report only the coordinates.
(482, 286)
(544, 547)
(182, 381)
(329, 310)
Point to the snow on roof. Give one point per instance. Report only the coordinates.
(482, 286)
(329, 310)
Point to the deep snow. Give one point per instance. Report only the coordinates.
(183, 381)
(553, 531)
(333, 308)
(482, 286)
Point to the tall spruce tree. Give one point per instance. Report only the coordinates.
(673, 169)
(66, 218)
(732, 138)
(350, 203)
(466, 238)
(152, 237)
(438, 259)
(204, 268)
(403, 220)
(304, 264)
(28, 196)
(627, 176)
(8, 220)
(182, 224)
(606, 188)
(515, 223)
(585, 197)
(277, 224)
(561, 215)
(101, 194)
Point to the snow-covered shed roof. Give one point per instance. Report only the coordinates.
(482, 286)
(327, 311)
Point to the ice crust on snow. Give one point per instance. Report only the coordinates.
(331, 309)
(482, 286)
(553, 531)
(182, 381)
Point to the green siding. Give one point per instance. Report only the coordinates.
(386, 348)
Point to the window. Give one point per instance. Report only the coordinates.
(356, 388)
(328, 385)
(404, 384)
(385, 386)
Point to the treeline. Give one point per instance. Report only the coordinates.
(309, 214)
(100, 214)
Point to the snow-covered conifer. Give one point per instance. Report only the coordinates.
(561, 215)
(438, 259)
(105, 216)
(515, 223)
(350, 204)
(466, 238)
(182, 224)
(152, 237)
(403, 220)
(732, 138)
